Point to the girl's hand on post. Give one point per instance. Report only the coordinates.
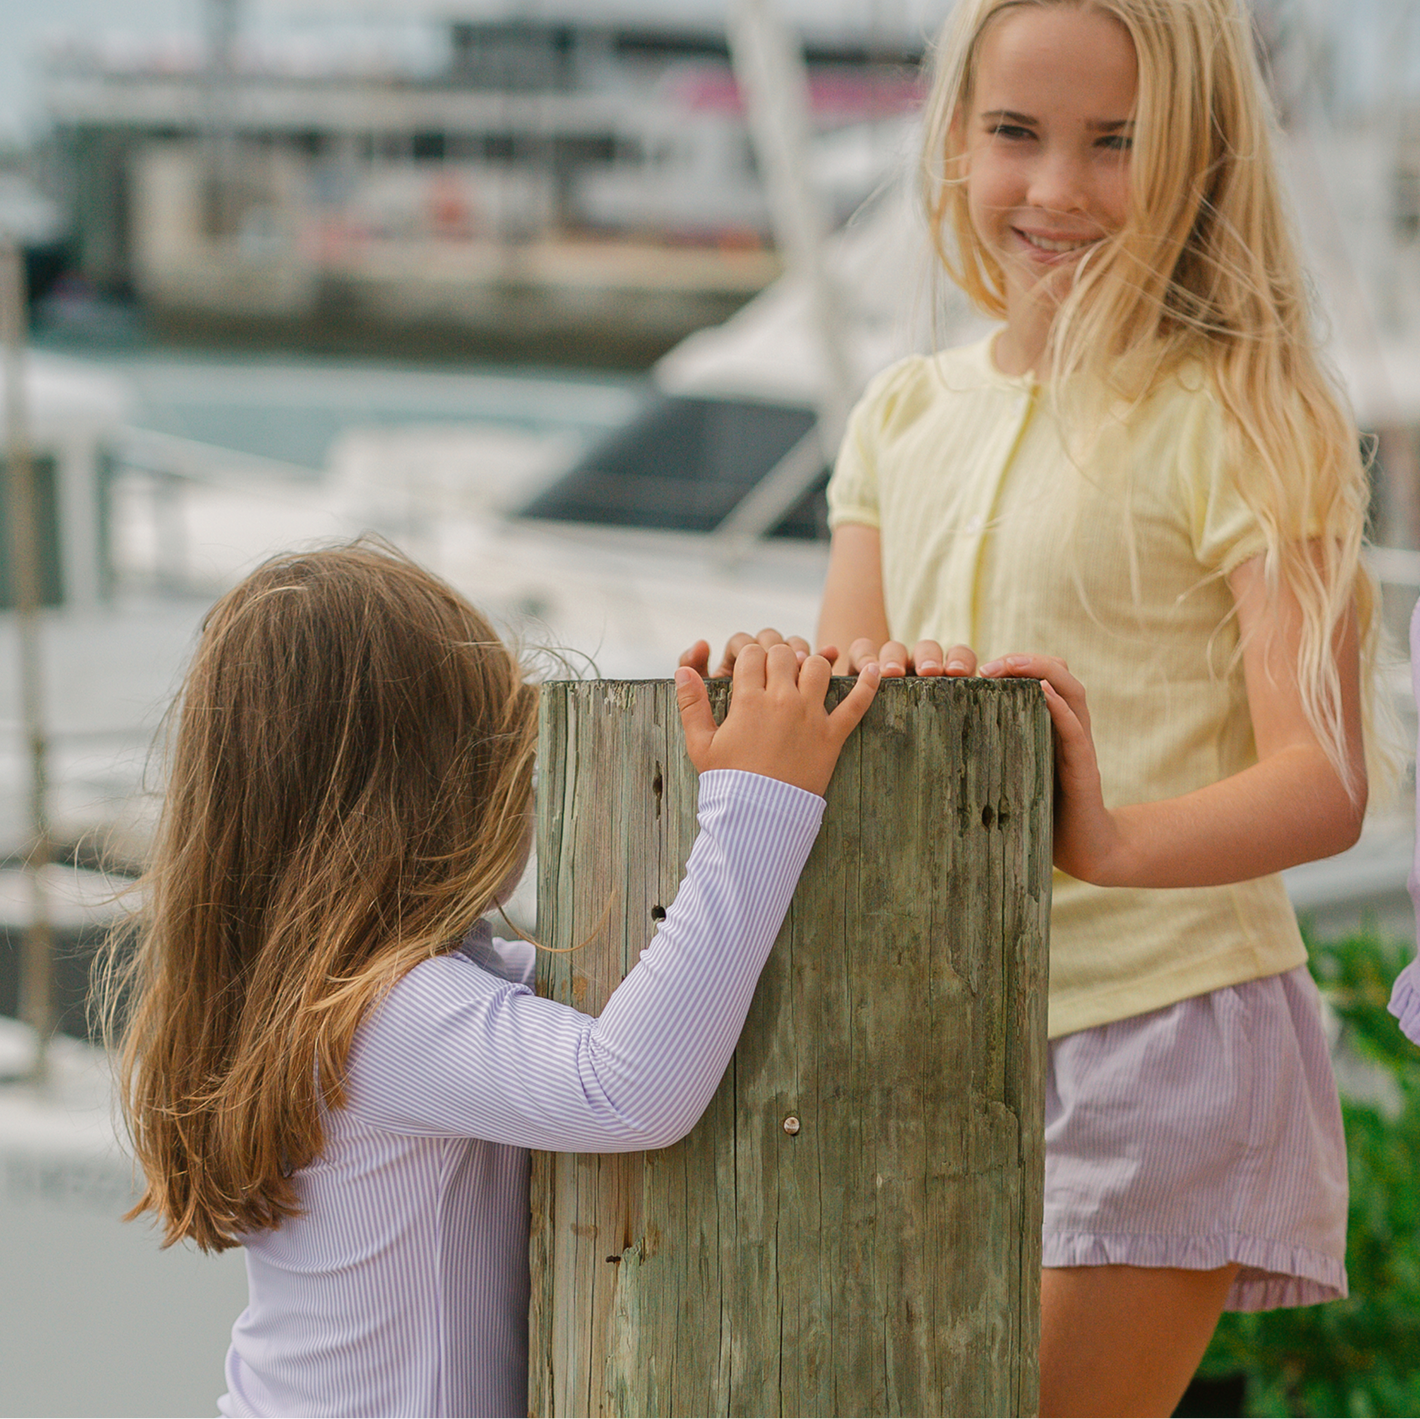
(925, 658)
(697, 658)
(1088, 841)
(777, 724)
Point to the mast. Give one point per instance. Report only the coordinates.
(769, 67)
(222, 196)
(36, 968)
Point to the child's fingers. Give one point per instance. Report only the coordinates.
(961, 660)
(1035, 667)
(1048, 669)
(927, 658)
(751, 663)
(862, 652)
(892, 660)
(766, 639)
(1055, 673)
(1030, 667)
(695, 714)
(814, 675)
(854, 705)
(697, 658)
(781, 667)
(769, 638)
(733, 648)
(1077, 769)
(1063, 717)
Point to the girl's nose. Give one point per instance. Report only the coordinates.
(1057, 183)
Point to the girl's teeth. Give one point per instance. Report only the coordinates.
(1045, 244)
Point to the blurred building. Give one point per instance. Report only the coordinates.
(561, 177)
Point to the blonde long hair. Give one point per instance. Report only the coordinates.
(1204, 272)
(349, 788)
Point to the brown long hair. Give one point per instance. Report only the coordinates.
(349, 788)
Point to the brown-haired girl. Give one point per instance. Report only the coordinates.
(328, 1058)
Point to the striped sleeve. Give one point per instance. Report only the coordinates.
(455, 1051)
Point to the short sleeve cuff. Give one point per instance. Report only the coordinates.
(855, 513)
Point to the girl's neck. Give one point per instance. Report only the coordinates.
(1014, 357)
(1021, 348)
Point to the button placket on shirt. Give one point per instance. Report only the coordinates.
(974, 530)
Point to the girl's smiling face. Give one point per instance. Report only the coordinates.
(1047, 146)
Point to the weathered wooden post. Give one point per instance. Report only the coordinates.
(854, 1225)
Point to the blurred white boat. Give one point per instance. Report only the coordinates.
(95, 1318)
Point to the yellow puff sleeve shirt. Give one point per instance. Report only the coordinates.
(1115, 559)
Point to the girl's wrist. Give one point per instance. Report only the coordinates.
(1107, 861)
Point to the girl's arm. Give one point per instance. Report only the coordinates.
(852, 627)
(854, 617)
(851, 620)
(1289, 807)
(455, 1051)
(852, 614)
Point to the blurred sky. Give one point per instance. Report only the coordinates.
(25, 26)
(1362, 30)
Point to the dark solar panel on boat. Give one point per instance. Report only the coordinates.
(683, 465)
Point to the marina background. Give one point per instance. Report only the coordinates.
(564, 300)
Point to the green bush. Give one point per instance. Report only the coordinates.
(1360, 1356)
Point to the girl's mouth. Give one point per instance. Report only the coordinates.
(1052, 246)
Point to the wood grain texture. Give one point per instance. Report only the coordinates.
(884, 1259)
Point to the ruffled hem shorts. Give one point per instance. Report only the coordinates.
(1405, 997)
(1201, 1134)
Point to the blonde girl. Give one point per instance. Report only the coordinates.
(1147, 475)
(329, 1059)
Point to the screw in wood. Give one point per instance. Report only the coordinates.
(792, 1125)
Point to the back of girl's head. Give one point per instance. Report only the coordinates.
(349, 788)
(1206, 253)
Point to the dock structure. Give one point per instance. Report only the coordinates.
(853, 1227)
(570, 185)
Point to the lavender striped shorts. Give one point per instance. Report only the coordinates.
(1201, 1134)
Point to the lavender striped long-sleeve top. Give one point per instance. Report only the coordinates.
(403, 1286)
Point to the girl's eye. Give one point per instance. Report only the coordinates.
(1012, 131)
(1117, 142)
